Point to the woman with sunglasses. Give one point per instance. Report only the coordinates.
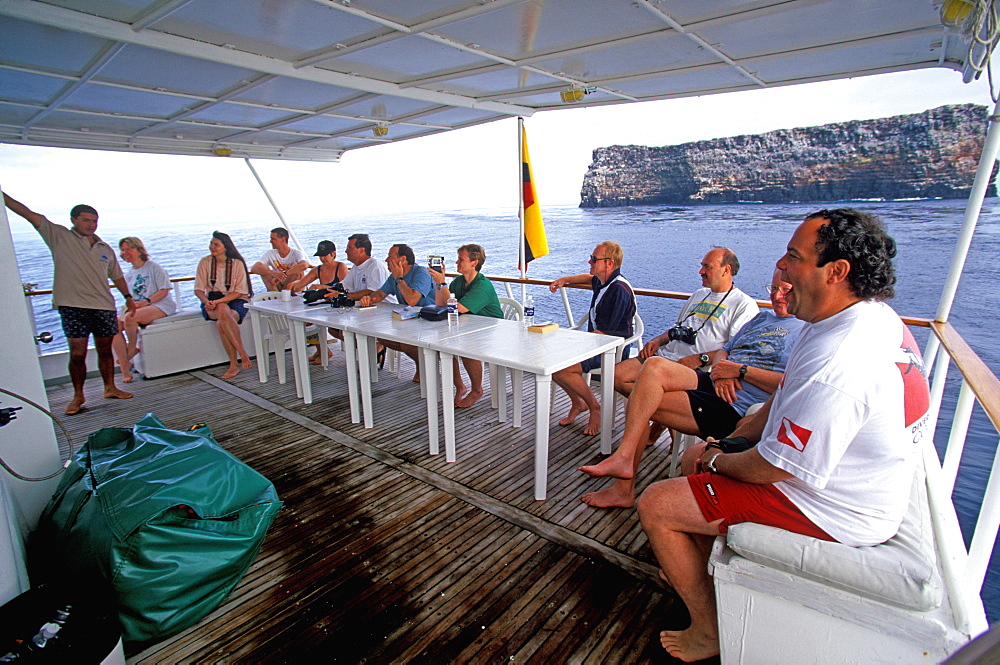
(612, 308)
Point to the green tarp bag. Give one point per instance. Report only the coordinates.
(171, 519)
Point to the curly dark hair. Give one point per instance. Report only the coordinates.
(859, 238)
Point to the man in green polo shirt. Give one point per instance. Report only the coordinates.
(83, 265)
(475, 295)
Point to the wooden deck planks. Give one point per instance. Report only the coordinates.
(385, 553)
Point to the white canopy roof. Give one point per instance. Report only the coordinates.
(309, 79)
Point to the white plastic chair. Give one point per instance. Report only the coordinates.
(512, 311)
(276, 336)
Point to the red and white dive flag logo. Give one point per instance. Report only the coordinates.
(916, 395)
(793, 435)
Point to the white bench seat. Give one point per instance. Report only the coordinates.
(184, 341)
(852, 604)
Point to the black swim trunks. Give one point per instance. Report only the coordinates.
(78, 322)
(715, 416)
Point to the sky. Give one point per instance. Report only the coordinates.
(474, 168)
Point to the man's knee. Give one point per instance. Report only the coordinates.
(690, 456)
(625, 373)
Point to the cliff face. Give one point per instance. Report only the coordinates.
(933, 154)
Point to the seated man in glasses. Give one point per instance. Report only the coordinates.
(612, 309)
(745, 371)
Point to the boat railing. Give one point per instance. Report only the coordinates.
(964, 569)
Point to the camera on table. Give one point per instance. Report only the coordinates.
(311, 296)
(681, 333)
(341, 299)
(435, 262)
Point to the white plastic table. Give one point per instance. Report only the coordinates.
(277, 308)
(509, 344)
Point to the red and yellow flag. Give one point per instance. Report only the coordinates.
(535, 243)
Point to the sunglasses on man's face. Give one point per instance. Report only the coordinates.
(594, 259)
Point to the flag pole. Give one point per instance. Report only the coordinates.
(521, 253)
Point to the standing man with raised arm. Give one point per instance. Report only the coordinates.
(282, 265)
(83, 265)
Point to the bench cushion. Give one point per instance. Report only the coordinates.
(901, 571)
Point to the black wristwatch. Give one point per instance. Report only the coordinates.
(704, 359)
(743, 371)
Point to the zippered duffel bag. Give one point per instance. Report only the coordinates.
(171, 519)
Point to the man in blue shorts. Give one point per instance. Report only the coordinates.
(612, 308)
(83, 265)
(837, 443)
(744, 372)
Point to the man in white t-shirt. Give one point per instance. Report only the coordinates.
(281, 266)
(367, 275)
(836, 444)
(710, 317)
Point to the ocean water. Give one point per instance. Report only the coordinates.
(663, 246)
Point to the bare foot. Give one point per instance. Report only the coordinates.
(594, 424)
(416, 377)
(75, 405)
(574, 411)
(459, 392)
(127, 375)
(246, 364)
(115, 393)
(231, 372)
(689, 646)
(315, 360)
(612, 467)
(471, 398)
(616, 496)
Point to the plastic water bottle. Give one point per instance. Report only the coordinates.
(529, 311)
(452, 311)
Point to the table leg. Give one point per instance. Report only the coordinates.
(607, 400)
(351, 362)
(373, 353)
(258, 343)
(300, 360)
(432, 408)
(364, 360)
(448, 404)
(543, 393)
(517, 387)
(501, 391)
(422, 368)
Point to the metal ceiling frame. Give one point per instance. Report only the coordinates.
(286, 141)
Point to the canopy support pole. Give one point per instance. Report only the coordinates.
(291, 234)
(976, 195)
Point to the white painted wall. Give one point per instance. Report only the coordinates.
(27, 444)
